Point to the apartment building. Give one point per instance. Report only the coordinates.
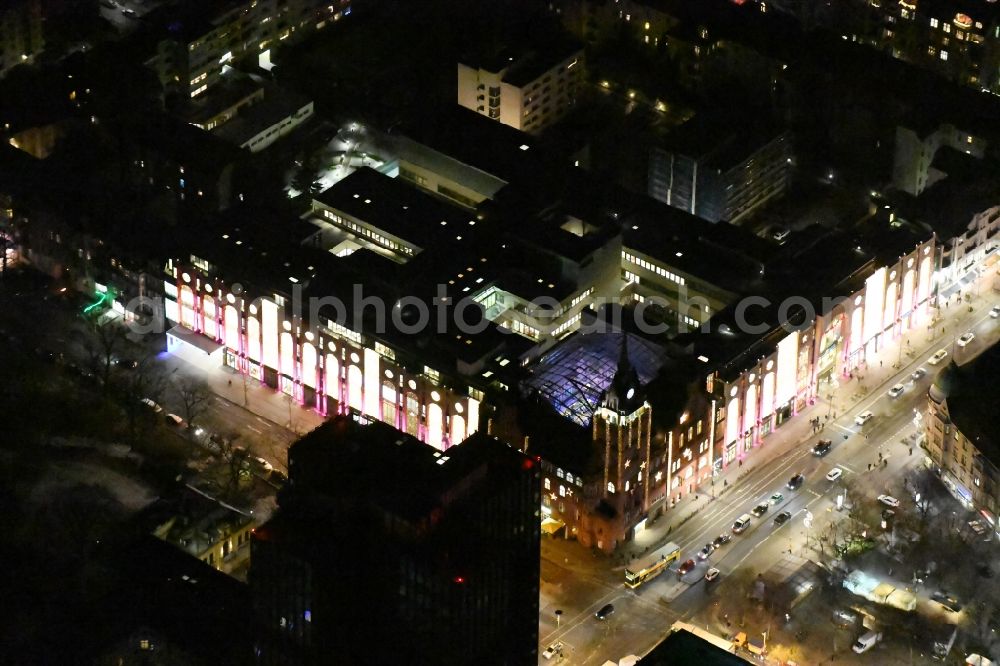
(528, 89)
(720, 169)
(21, 37)
(199, 47)
(961, 437)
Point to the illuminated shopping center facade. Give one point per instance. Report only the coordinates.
(783, 371)
(322, 365)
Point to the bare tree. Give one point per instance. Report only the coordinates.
(235, 458)
(194, 395)
(145, 381)
(103, 344)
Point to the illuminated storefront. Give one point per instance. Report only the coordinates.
(325, 367)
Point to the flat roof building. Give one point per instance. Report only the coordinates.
(378, 529)
(527, 88)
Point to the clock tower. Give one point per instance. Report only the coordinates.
(622, 431)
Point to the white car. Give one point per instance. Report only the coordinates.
(896, 391)
(552, 650)
(152, 405)
(888, 500)
(918, 373)
(939, 356)
(863, 418)
(712, 574)
(966, 339)
(995, 311)
(834, 474)
(174, 420)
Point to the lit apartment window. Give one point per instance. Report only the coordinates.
(944, 54)
(946, 27)
(934, 23)
(931, 50)
(198, 91)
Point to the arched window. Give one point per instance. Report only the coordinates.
(611, 487)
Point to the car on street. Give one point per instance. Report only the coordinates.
(863, 418)
(822, 447)
(896, 391)
(834, 474)
(686, 567)
(966, 338)
(795, 482)
(776, 498)
(939, 356)
(917, 374)
(782, 518)
(742, 523)
(760, 509)
(174, 420)
(712, 574)
(129, 12)
(261, 463)
(127, 363)
(995, 311)
(722, 540)
(889, 501)
(606, 610)
(949, 602)
(779, 234)
(152, 405)
(706, 552)
(110, 4)
(552, 650)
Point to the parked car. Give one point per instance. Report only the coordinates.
(262, 463)
(966, 339)
(949, 602)
(796, 482)
(834, 474)
(889, 501)
(552, 650)
(174, 420)
(782, 518)
(867, 641)
(776, 498)
(152, 405)
(995, 311)
(722, 540)
(917, 374)
(864, 417)
(939, 356)
(760, 509)
(896, 391)
(605, 611)
(128, 363)
(706, 552)
(822, 447)
(686, 567)
(712, 575)
(129, 12)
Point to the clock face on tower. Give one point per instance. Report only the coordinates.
(631, 392)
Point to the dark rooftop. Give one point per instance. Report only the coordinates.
(973, 393)
(721, 141)
(398, 208)
(524, 64)
(683, 648)
(352, 456)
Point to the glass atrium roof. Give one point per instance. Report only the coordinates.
(575, 374)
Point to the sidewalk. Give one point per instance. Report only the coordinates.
(251, 395)
(870, 379)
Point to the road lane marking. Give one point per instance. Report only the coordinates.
(250, 427)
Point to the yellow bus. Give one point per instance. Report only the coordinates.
(652, 565)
